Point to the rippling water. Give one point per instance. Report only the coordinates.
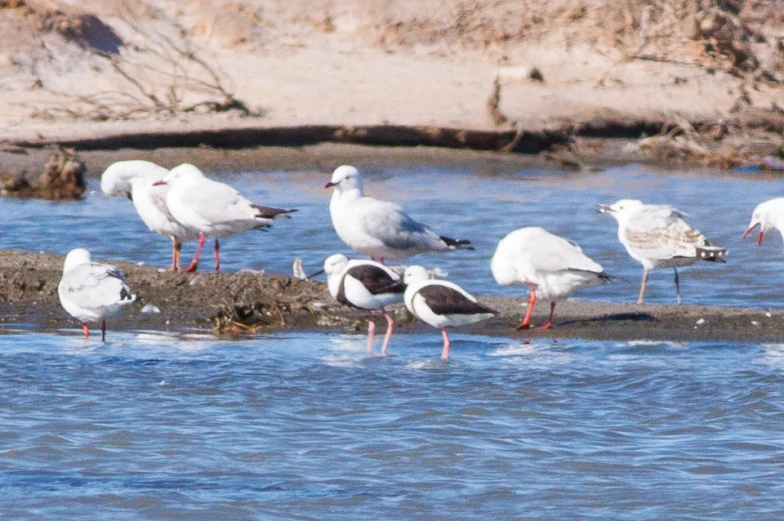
(307, 426)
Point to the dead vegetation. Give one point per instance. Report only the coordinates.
(679, 141)
(160, 72)
(61, 180)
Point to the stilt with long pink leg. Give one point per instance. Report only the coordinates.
(441, 303)
(364, 284)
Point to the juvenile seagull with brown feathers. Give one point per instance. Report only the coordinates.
(656, 236)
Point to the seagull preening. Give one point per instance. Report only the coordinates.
(379, 229)
(656, 236)
(364, 284)
(90, 291)
(551, 266)
(211, 208)
(767, 215)
(441, 303)
(136, 180)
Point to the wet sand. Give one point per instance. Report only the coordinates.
(248, 302)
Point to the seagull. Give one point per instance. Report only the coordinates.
(136, 179)
(551, 266)
(90, 291)
(657, 237)
(364, 284)
(441, 303)
(767, 215)
(212, 208)
(379, 229)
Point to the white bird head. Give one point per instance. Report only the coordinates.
(76, 258)
(622, 208)
(345, 178)
(415, 274)
(183, 171)
(335, 264)
(767, 216)
(116, 179)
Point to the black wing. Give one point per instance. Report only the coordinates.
(376, 279)
(443, 300)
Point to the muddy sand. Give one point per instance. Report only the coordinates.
(247, 302)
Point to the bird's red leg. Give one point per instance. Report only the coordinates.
(86, 330)
(217, 256)
(103, 330)
(390, 327)
(526, 323)
(445, 351)
(549, 318)
(371, 332)
(195, 262)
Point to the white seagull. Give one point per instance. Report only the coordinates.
(379, 229)
(656, 236)
(767, 215)
(441, 303)
(136, 179)
(551, 266)
(212, 208)
(364, 284)
(90, 291)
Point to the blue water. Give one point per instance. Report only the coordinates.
(307, 426)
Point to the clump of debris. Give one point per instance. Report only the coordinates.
(61, 180)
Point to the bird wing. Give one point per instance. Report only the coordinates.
(376, 279)
(553, 253)
(390, 224)
(659, 232)
(217, 203)
(446, 300)
(95, 285)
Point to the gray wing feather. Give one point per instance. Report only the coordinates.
(395, 228)
(95, 285)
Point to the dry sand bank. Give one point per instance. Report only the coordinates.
(392, 73)
(202, 301)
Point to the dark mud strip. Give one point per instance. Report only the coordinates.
(530, 142)
(246, 302)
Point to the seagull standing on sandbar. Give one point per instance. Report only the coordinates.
(135, 179)
(656, 236)
(379, 229)
(212, 208)
(551, 266)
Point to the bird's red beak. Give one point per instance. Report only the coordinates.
(162, 182)
(330, 185)
(759, 238)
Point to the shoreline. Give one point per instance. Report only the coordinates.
(246, 302)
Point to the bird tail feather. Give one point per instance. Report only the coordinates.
(457, 244)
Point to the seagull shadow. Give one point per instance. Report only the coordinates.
(615, 317)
